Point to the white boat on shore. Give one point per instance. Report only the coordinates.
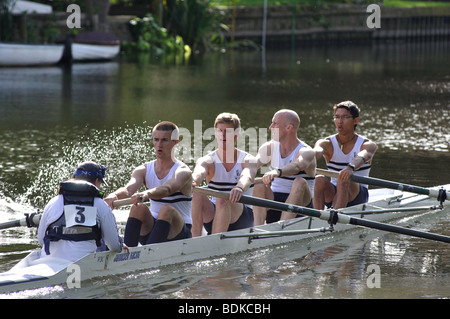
(15, 54)
(384, 204)
(95, 46)
(18, 7)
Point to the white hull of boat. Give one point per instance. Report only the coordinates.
(35, 272)
(12, 54)
(87, 52)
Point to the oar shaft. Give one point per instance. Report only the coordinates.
(435, 193)
(250, 200)
(10, 224)
(325, 215)
(398, 229)
(30, 220)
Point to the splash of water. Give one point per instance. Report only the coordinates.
(119, 149)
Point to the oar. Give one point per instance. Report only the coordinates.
(440, 194)
(30, 220)
(127, 201)
(122, 202)
(331, 216)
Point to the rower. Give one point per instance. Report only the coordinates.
(168, 188)
(293, 165)
(77, 219)
(347, 153)
(225, 169)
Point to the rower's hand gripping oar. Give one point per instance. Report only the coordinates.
(127, 201)
(440, 194)
(332, 216)
(122, 202)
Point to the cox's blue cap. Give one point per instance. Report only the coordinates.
(91, 169)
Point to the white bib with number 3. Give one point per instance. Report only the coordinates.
(78, 215)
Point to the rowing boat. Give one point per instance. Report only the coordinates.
(35, 272)
(18, 54)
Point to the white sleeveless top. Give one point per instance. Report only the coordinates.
(178, 200)
(339, 160)
(224, 180)
(284, 184)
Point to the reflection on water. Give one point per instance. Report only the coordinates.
(53, 118)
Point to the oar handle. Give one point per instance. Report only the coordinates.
(127, 201)
(122, 202)
(439, 194)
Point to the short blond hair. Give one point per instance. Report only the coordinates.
(228, 118)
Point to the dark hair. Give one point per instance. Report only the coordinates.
(350, 106)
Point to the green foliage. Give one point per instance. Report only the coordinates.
(26, 28)
(151, 37)
(186, 25)
(201, 24)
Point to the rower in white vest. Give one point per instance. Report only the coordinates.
(225, 169)
(347, 153)
(168, 188)
(293, 168)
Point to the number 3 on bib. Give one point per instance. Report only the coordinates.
(77, 215)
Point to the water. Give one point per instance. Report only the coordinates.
(53, 118)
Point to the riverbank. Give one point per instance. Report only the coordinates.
(287, 24)
(329, 23)
(339, 23)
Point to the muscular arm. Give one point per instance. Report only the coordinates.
(180, 181)
(264, 155)
(137, 180)
(305, 161)
(323, 148)
(202, 170)
(365, 155)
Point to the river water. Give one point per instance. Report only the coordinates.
(55, 117)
